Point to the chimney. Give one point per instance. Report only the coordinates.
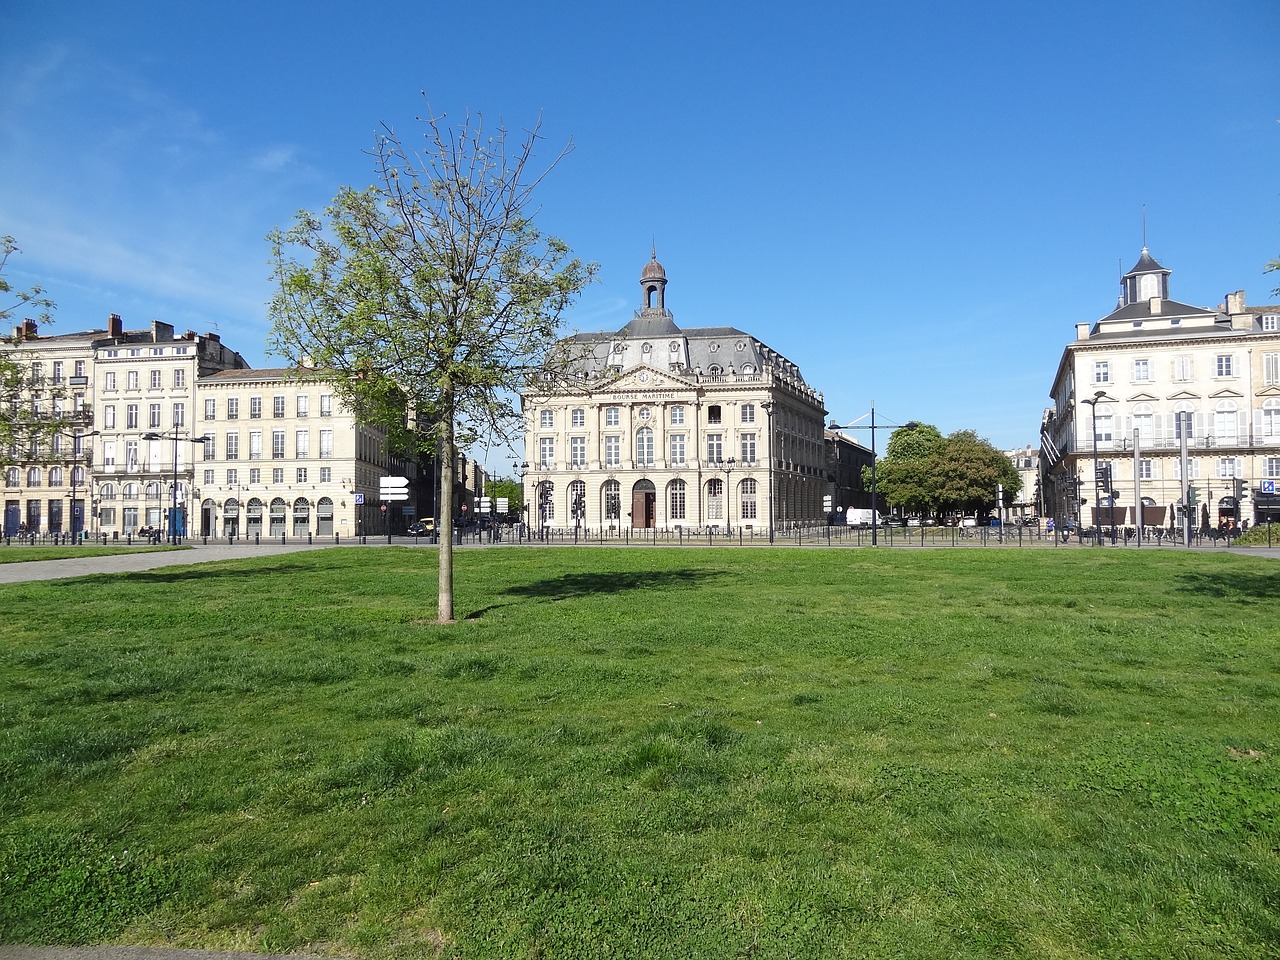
(161, 332)
(30, 328)
(115, 326)
(1235, 302)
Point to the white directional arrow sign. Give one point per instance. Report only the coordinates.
(393, 488)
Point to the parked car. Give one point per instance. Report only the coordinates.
(424, 527)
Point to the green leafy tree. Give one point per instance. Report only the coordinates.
(966, 471)
(902, 475)
(430, 297)
(28, 402)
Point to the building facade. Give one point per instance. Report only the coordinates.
(1132, 386)
(662, 427)
(176, 434)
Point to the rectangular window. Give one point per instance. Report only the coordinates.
(1273, 467)
(109, 416)
(1270, 322)
(57, 371)
(713, 414)
(233, 408)
(131, 417)
(156, 376)
(1101, 371)
(1193, 469)
(277, 406)
(302, 405)
(612, 416)
(208, 478)
(131, 455)
(677, 415)
(748, 413)
(255, 475)
(154, 415)
(715, 447)
(748, 448)
(326, 404)
(547, 451)
(578, 451)
(277, 475)
(326, 474)
(277, 444)
(255, 444)
(179, 414)
(109, 381)
(210, 409)
(79, 368)
(1146, 469)
(131, 379)
(677, 448)
(233, 445)
(1228, 467)
(326, 444)
(1224, 366)
(302, 475)
(546, 419)
(302, 444)
(1271, 369)
(233, 477)
(255, 408)
(612, 451)
(1141, 371)
(678, 505)
(578, 418)
(210, 447)
(109, 455)
(748, 499)
(179, 378)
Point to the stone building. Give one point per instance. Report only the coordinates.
(1133, 384)
(665, 427)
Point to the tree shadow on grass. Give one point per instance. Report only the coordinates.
(200, 571)
(588, 584)
(1234, 585)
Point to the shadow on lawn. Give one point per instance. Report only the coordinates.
(586, 584)
(1234, 584)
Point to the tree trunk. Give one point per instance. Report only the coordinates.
(444, 522)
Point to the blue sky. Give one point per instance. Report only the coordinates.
(914, 201)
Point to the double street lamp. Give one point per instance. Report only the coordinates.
(76, 452)
(173, 510)
(1097, 480)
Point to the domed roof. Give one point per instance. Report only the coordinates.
(653, 270)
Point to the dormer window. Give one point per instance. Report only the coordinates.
(1271, 322)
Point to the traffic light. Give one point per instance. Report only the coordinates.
(1239, 488)
(1191, 496)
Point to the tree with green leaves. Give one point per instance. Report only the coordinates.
(28, 402)
(430, 297)
(923, 471)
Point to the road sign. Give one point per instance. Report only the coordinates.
(1268, 486)
(393, 488)
(482, 505)
(503, 506)
(359, 498)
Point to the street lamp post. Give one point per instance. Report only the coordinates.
(173, 510)
(76, 451)
(522, 469)
(872, 427)
(767, 406)
(1093, 423)
(726, 466)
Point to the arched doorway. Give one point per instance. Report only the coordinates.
(324, 517)
(253, 518)
(643, 500)
(231, 518)
(301, 517)
(208, 518)
(277, 517)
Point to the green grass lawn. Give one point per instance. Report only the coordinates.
(663, 753)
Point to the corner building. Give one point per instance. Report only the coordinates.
(662, 427)
(1132, 385)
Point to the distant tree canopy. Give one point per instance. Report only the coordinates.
(924, 472)
(33, 408)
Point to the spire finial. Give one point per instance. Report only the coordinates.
(1144, 228)
(653, 249)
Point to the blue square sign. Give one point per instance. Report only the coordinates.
(1268, 486)
(359, 499)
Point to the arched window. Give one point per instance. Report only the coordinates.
(644, 445)
(130, 491)
(747, 490)
(107, 491)
(1103, 421)
(1271, 418)
(1224, 421)
(1144, 422)
(77, 476)
(676, 506)
(33, 477)
(12, 477)
(1184, 417)
(612, 492)
(55, 476)
(153, 490)
(715, 499)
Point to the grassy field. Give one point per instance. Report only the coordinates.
(650, 753)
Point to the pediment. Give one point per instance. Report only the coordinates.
(1226, 393)
(1273, 391)
(643, 379)
(1143, 397)
(1183, 395)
